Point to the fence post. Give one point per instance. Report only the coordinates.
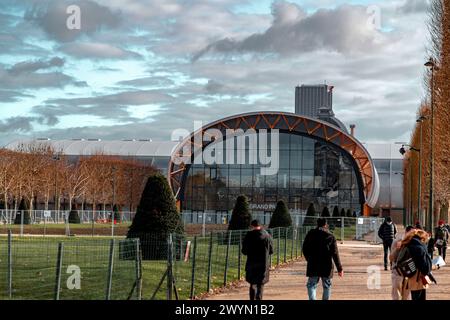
(10, 264)
(225, 274)
(194, 255)
(21, 223)
(110, 270)
(58, 270)
(208, 283)
(240, 255)
(342, 229)
(285, 243)
(278, 247)
(138, 270)
(292, 243)
(112, 223)
(169, 267)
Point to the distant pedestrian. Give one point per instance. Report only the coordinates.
(399, 290)
(320, 251)
(431, 245)
(441, 238)
(418, 225)
(257, 246)
(387, 233)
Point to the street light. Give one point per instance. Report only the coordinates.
(431, 65)
(403, 152)
(420, 120)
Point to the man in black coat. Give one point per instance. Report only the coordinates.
(257, 246)
(387, 233)
(320, 250)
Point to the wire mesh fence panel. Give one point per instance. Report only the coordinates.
(154, 253)
(33, 268)
(4, 292)
(182, 264)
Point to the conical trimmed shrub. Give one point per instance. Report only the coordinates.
(241, 216)
(325, 212)
(156, 217)
(311, 216)
(74, 217)
(281, 218)
(23, 209)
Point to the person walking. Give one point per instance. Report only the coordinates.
(320, 251)
(414, 246)
(257, 246)
(399, 290)
(387, 233)
(441, 238)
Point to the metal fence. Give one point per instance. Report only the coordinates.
(69, 269)
(344, 228)
(197, 265)
(53, 222)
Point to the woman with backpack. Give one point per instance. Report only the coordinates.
(441, 238)
(418, 273)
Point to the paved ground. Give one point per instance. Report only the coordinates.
(289, 282)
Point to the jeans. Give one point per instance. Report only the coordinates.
(442, 251)
(387, 244)
(256, 291)
(312, 286)
(419, 295)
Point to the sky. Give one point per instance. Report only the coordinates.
(142, 69)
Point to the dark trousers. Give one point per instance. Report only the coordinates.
(442, 251)
(256, 291)
(387, 244)
(419, 295)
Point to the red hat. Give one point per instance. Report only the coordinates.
(441, 222)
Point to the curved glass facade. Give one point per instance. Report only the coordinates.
(310, 171)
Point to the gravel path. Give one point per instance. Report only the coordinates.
(289, 282)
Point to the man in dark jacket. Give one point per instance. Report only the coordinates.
(441, 238)
(387, 233)
(257, 246)
(320, 250)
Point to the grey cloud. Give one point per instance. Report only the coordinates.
(98, 51)
(151, 81)
(24, 75)
(414, 6)
(139, 97)
(343, 30)
(12, 95)
(21, 124)
(32, 66)
(52, 17)
(49, 114)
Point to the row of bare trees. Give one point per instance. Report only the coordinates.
(438, 91)
(46, 180)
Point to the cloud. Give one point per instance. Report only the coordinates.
(343, 30)
(12, 95)
(414, 6)
(52, 17)
(21, 124)
(24, 75)
(137, 97)
(98, 51)
(32, 66)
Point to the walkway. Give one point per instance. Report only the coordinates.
(289, 282)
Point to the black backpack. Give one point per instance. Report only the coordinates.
(405, 265)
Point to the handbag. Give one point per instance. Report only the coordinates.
(405, 265)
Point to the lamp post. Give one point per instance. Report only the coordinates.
(403, 151)
(419, 193)
(431, 64)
